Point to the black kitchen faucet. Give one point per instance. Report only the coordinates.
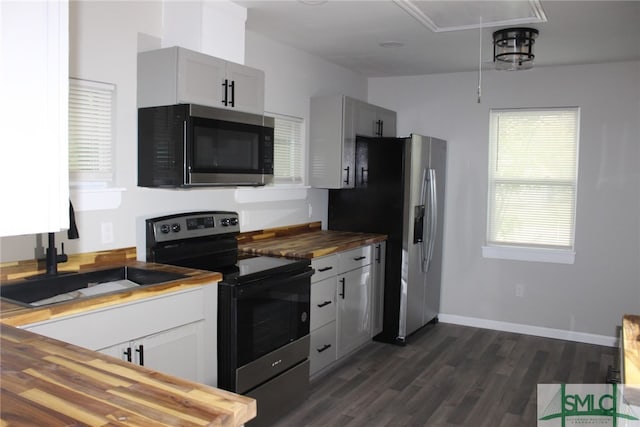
(52, 253)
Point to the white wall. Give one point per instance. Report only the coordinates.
(589, 296)
(104, 40)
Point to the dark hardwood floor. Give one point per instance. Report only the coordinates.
(448, 375)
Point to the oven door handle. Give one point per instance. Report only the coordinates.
(265, 283)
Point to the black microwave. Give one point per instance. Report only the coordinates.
(188, 145)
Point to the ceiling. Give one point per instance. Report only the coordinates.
(350, 33)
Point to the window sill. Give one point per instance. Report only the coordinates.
(529, 254)
(95, 199)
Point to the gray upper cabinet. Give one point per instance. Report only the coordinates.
(176, 75)
(334, 123)
(375, 121)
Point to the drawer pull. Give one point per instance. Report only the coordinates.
(360, 258)
(323, 348)
(323, 269)
(324, 304)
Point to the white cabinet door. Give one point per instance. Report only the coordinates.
(377, 287)
(34, 58)
(354, 310)
(367, 120)
(247, 92)
(387, 122)
(178, 351)
(332, 146)
(200, 79)
(322, 348)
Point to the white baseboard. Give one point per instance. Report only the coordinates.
(529, 330)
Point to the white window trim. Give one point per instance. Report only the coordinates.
(521, 253)
(96, 195)
(530, 253)
(288, 184)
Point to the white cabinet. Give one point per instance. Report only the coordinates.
(334, 123)
(353, 300)
(377, 287)
(332, 142)
(178, 351)
(343, 303)
(173, 333)
(375, 121)
(176, 75)
(34, 61)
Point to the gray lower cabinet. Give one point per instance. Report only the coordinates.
(341, 305)
(174, 333)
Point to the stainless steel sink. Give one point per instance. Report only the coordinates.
(43, 290)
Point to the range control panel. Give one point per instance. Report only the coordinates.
(191, 225)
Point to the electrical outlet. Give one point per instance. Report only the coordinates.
(107, 232)
(519, 290)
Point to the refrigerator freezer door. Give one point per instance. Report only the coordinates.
(412, 296)
(437, 163)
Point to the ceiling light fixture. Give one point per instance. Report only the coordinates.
(513, 48)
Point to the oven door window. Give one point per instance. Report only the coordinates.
(225, 147)
(272, 313)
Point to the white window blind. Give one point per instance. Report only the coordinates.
(91, 131)
(533, 169)
(288, 148)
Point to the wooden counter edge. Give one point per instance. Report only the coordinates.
(631, 358)
(237, 409)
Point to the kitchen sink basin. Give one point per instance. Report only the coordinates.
(43, 290)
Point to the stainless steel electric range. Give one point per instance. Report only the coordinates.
(263, 308)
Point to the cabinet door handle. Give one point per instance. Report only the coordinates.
(379, 255)
(225, 85)
(343, 280)
(323, 348)
(325, 269)
(127, 353)
(140, 351)
(324, 304)
(233, 93)
(359, 258)
(347, 180)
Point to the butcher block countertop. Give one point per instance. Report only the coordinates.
(18, 315)
(631, 347)
(46, 382)
(303, 241)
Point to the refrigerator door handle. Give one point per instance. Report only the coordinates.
(433, 215)
(421, 229)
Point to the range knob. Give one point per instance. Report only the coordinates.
(225, 222)
(165, 228)
(175, 227)
(233, 221)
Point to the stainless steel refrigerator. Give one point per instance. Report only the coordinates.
(399, 191)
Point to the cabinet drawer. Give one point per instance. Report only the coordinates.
(323, 302)
(354, 258)
(325, 266)
(322, 350)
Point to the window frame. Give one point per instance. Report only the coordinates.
(94, 179)
(524, 251)
(291, 180)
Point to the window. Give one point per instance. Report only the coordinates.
(287, 151)
(91, 106)
(533, 169)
